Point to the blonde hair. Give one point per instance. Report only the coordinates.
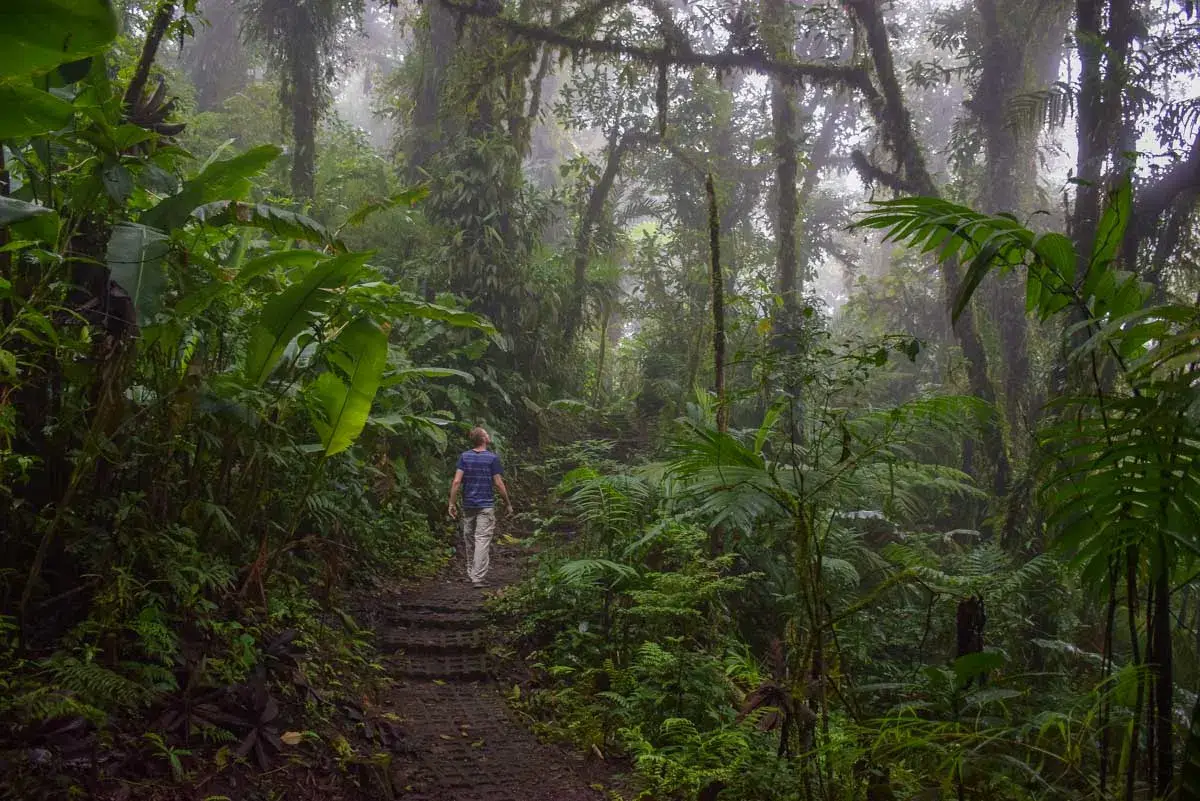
(478, 436)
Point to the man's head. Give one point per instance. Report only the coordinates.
(479, 437)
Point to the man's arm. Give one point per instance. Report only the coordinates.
(498, 481)
(454, 485)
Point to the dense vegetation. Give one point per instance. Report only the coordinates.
(853, 344)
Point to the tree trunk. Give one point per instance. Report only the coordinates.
(899, 136)
(141, 74)
(592, 214)
(718, 304)
(216, 60)
(438, 45)
(779, 29)
(304, 115)
(604, 322)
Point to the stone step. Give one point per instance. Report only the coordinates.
(450, 666)
(463, 605)
(432, 640)
(436, 619)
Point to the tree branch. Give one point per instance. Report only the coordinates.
(850, 76)
(1155, 199)
(889, 108)
(873, 174)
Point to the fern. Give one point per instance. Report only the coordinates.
(97, 686)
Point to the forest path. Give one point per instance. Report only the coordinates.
(461, 741)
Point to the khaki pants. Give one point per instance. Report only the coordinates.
(478, 525)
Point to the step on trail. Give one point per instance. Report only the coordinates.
(460, 741)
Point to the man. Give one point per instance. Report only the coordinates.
(478, 472)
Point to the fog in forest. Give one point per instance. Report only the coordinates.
(696, 400)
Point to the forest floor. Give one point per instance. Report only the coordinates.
(459, 741)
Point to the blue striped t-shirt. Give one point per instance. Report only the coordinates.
(478, 468)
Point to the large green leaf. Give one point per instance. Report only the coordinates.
(293, 310)
(26, 111)
(969, 666)
(262, 265)
(31, 221)
(37, 35)
(135, 259)
(280, 222)
(432, 311)
(409, 197)
(342, 403)
(430, 427)
(220, 180)
(434, 372)
(1110, 231)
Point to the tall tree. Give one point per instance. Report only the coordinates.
(304, 40)
(1015, 58)
(780, 31)
(912, 176)
(216, 59)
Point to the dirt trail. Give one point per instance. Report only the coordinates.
(461, 742)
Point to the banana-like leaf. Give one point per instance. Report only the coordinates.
(431, 427)
(135, 260)
(38, 35)
(220, 180)
(342, 403)
(28, 111)
(434, 372)
(432, 311)
(293, 310)
(409, 197)
(29, 220)
(280, 222)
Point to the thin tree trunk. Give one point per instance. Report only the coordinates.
(718, 304)
(783, 114)
(1091, 135)
(141, 74)
(818, 158)
(900, 137)
(592, 214)
(604, 321)
(1164, 681)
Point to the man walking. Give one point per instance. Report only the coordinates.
(478, 472)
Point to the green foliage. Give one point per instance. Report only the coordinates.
(136, 255)
(219, 181)
(166, 353)
(345, 393)
(294, 310)
(39, 36)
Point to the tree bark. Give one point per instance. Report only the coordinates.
(779, 25)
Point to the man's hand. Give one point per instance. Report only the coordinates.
(452, 510)
(510, 510)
